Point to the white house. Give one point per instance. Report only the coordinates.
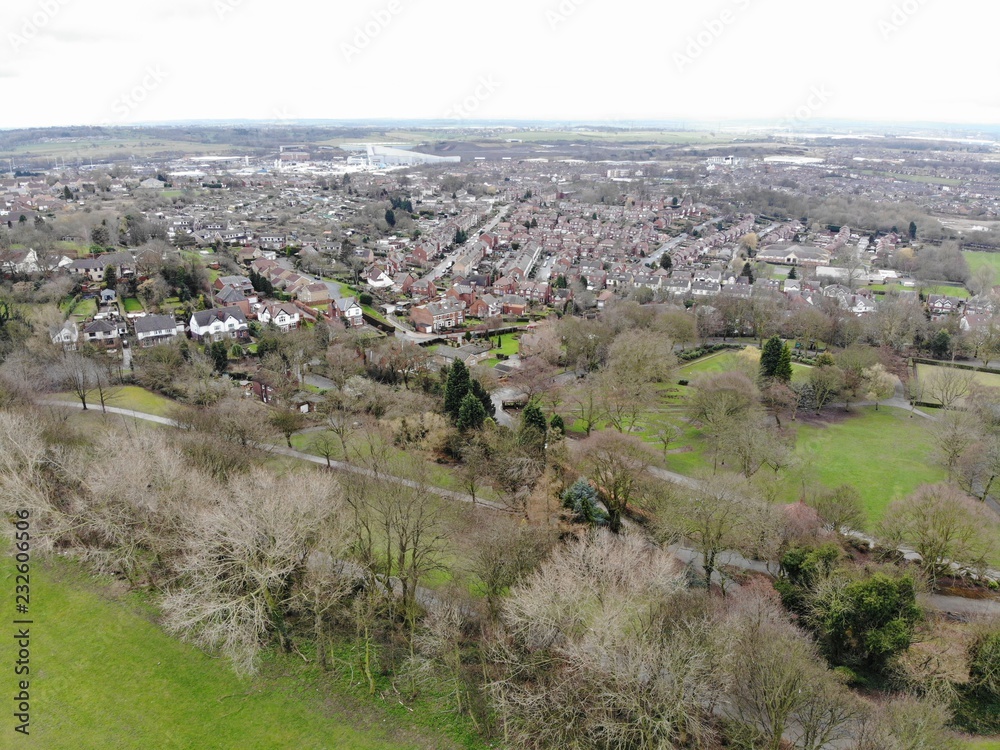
(285, 317)
(349, 311)
(151, 330)
(219, 324)
(67, 337)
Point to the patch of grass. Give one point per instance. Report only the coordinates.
(977, 259)
(104, 671)
(725, 361)
(128, 397)
(983, 744)
(928, 373)
(86, 308)
(510, 344)
(885, 454)
(132, 305)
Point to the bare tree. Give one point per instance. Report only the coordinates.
(948, 385)
(575, 671)
(243, 558)
(946, 527)
(617, 463)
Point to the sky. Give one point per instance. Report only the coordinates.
(787, 62)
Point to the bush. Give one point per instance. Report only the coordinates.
(581, 498)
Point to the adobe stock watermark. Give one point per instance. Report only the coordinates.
(224, 7)
(698, 43)
(899, 16)
(132, 99)
(817, 99)
(365, 34)
(485, 88)
(559, 14)
(32, 25)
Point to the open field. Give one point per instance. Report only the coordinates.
(104, 675)
(726, 360)
(927, 179)
(977, 259)
(128, 397)
(946, 289)
(885, 454)
(983, 744)
(87, 150)
(928, 374)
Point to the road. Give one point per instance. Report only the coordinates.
(948, 604)
(439, 270)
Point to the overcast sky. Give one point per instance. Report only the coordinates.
(67, 62)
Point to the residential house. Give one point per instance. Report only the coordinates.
(348, 310)
(102, 333)
(285, 317)
(435, 317)
(67, 336)
(219, 324)
(151, 330)
(316, 294)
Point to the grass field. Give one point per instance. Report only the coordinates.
(977, 260)
(85, 308)
(927, 374)
(983, 744)
(128, 397)
(103, 675)
(725, 361)
(885, 454)
(132, 305)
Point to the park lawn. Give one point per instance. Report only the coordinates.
(927, 373)
(127, 397)
(132, 305)
(885, 454)
(983, 744)
(726, 360)
(104, 675)
(977, 259)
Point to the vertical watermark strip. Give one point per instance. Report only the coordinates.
(21, 623)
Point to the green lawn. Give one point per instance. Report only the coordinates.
(886, 454)
(928, 373)
(977, 259)
(86, 308)
(104, 675)
(128, 397)
(983, 744)
(132, 305)
(723, 362)
(510, 344)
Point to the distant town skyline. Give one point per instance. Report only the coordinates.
(112, 62)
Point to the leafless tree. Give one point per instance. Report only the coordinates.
(946, 527)
(600, 649)
(617, 463)
(243, 558)
(948, 385)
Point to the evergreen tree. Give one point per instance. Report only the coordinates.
(110, 277)
(557, 424)
(793, 274)
(456, 388)
(483, 395)
(666, 262)
(219, 353)
(471, 413)
(532, 418)
(770, 357)
(390, 217)
(913, 230)
(783, 372)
